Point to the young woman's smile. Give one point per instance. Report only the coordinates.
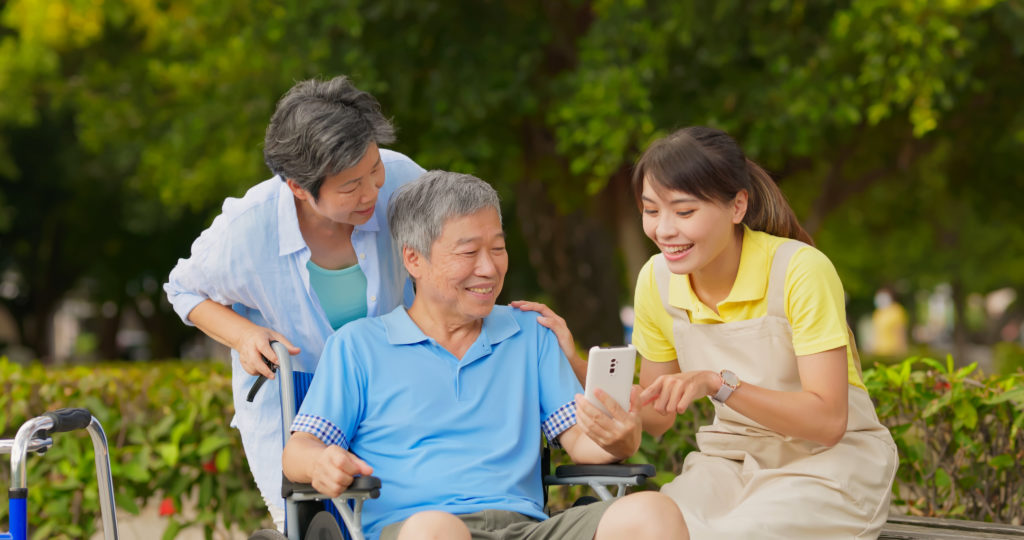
(693, 234)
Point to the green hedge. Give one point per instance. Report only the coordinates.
(167, 427)
(958, 434)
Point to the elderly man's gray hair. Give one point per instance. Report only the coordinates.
(321, 128)
(419, 209)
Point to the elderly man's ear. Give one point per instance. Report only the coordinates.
(413, 261)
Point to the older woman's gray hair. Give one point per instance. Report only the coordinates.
(419, 209)
(321, 128)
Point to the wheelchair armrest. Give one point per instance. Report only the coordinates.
(363, 487)
(617, 470)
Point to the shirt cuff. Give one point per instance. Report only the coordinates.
(559, 421)
(321, 428)
(183, 304)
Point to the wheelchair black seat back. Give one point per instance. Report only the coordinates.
(313, 515)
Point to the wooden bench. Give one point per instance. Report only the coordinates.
(919, 528)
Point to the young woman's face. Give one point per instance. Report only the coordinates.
(691, 233)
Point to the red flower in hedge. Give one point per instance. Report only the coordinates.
(210, 466)
(166, 507)
(942, 386)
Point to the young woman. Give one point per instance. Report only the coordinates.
(738, 307)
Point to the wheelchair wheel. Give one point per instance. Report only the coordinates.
(324, 527)
(267, 534)
(585, 500)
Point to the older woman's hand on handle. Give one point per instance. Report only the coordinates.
(250, 340)
(549, 319)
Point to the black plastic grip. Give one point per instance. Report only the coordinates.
(368, 484)
(260, 379)
(69, 419)
(620, 470)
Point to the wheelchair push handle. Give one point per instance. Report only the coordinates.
(68, 420)
(281, 351)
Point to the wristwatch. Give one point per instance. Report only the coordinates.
(730, 382)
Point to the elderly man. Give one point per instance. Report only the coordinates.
(446, 401)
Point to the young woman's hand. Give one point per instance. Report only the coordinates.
(549, 319)
(619, 433)
(674, 393)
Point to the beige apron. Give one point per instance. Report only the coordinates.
(751, 482)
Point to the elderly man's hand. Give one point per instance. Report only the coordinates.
(334, 469)
(619, 433)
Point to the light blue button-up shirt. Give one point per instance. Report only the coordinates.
(459, 435)
(253, 259)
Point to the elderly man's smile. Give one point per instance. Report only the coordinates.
(482, 291)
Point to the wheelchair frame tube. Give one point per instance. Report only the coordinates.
(284, 373)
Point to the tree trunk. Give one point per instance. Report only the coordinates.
(960, 323)
(108, 329)
(621, 205)
(575, 264)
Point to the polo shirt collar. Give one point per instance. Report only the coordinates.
(289, 237)
(751, 280)
(401, 330)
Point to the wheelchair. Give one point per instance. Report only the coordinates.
(35, 436)
(313, 515)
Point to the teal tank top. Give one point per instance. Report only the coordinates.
(342, 293)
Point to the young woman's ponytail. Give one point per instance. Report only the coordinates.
(767, 208)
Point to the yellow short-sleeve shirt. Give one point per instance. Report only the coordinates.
(815, 304)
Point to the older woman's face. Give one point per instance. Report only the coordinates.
(466, 268)
(350, 196)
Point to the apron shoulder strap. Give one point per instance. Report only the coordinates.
(662, 278)
(776, 295)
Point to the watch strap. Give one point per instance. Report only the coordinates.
(723, 392)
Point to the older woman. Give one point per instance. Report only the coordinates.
(300, 254)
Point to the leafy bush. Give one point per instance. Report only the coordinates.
(1008, 357)
(167, 427)
(959, 438)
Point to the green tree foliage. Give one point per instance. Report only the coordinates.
(894, 127)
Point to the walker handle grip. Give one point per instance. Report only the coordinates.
(69, 419)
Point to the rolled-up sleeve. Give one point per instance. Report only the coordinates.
(205, 274)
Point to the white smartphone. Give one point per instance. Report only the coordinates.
(611, 369)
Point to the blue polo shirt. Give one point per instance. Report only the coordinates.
(443, 433)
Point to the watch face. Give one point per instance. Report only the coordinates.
(730, 378)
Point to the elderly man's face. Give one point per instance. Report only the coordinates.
(466, 268)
